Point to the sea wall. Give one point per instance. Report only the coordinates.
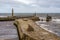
(29, 30)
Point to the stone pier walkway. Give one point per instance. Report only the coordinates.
(30, 29)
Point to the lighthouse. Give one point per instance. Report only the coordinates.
(12, 12)
(35, 14)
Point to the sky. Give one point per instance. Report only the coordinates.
(30, 6)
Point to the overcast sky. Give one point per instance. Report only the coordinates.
(30, 6)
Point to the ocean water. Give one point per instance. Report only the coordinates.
(31, 14)
(8, 31)
(17, 14)
(52, 26)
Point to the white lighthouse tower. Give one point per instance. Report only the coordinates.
(12, 12)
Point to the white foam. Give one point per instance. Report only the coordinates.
(3, 16)
(49, 28)
(43, 26)
(58, 20)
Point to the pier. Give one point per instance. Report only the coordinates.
(29, 30)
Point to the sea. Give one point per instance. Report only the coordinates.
(57, 15)
(9, 32)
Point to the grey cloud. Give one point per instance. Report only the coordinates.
(41, 6)
(11, 3)
(7, 5)
(41, 3)
(48, 3)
